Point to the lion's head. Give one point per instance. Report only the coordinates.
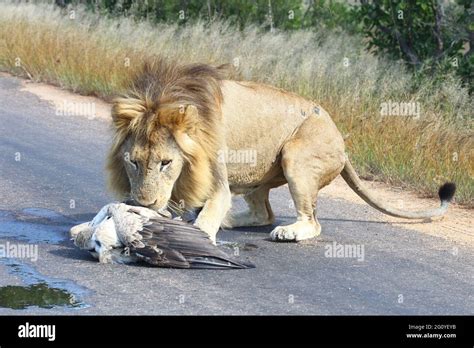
(167, 136)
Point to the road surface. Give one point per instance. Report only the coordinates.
(52, 177)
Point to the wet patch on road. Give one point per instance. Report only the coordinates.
(236, 246)
(34, 225)
(37, 295)
(39, 290)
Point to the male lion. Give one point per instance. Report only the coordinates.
(179, 128)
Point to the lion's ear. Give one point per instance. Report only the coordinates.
(126, 110)
(185, 128)
(187, 119)
(191, 116)
(191, 112)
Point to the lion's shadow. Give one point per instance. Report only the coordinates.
(285, 220)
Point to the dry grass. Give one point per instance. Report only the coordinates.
(88, 55)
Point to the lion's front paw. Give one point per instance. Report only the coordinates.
(296, 232)
(207, 227)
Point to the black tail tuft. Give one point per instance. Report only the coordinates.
(446, 191)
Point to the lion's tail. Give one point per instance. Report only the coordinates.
(446, 193)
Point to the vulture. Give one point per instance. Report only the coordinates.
(124, 234)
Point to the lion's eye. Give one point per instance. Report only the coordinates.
(164, 164)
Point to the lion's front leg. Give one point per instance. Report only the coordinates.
(259, 213)
(215, 209)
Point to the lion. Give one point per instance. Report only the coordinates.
(186, 136)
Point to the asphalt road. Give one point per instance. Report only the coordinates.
(52, 177)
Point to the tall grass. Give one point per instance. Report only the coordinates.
(94, 55)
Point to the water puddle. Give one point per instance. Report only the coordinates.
(51, 215)
(34, 225)
(37, 226)
(40, 291)
(38, 295)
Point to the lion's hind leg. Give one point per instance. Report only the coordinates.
(259, 213)
(311, 160)
(303, 192)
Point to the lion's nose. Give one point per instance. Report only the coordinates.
(138, 203)
(145, 203)
(143, 199)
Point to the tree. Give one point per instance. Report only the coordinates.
(424, 33)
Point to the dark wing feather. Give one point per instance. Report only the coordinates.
(161, 257)
(202, 262)
(174, 243)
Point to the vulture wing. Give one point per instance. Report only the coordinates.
(174, 243)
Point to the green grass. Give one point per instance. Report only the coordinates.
(88, 55)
